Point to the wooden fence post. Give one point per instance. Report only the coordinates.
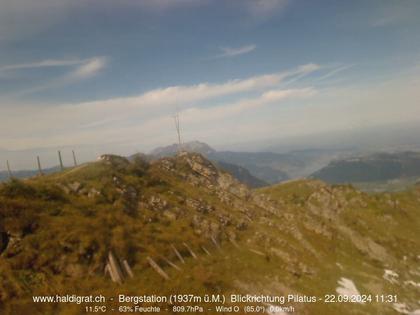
(215, 243)
(74, 158)
(39, 166)
(178, 254)
(170, 263)
(128, 269)
(190, 250)
(114, 268)
(9, 171)
(206, 251)
(156, 267)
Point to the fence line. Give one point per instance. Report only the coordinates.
(32, 172)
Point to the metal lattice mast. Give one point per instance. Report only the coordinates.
(178, 131)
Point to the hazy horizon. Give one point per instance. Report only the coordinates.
(383, 139)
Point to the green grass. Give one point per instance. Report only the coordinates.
(66, 236)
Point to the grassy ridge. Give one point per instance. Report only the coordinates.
(299, 237)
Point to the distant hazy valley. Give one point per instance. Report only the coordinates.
(368, 171)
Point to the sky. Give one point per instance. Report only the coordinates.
(108, 76)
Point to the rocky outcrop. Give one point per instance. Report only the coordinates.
(157, 203)
(200, 165)
(205, 227)
(115, 161)
(199, 171)
(199, 205)
(11, 243)
(4, 241)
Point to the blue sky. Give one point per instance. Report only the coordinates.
(112, 73)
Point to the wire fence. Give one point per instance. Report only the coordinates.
(39, 170)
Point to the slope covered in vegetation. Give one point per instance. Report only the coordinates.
(300, 237)
(372, 168)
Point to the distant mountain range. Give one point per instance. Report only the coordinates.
(242, 174)
(268, 167)
(378, 171)
(250, 168)
(192, 146)
(373, 168)
(231, 162)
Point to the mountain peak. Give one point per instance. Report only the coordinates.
(192, 146)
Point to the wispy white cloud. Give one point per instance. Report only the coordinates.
(43, 63)
(84, 69)
(301, 72)
(113, 119)
(216, 113)
(334, 71)
(146, 120)
(89, 68)
(235, 51)
(184, 96)
(191, 94)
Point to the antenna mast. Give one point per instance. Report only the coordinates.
(178, 131)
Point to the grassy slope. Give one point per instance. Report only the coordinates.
(364, 234)
(302, 228)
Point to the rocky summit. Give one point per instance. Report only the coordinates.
(181, 225)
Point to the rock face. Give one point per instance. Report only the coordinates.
(157, 203)
(199, 205)
(199, 172)
(114, 160)
(207, 173)
(75, 187)
(244, 173)
(12, 243)
(205, 227)
(193, 146)
(228, 183)
(200, 165)
(93, 192)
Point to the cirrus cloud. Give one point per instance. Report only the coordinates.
(83, 69)
(235, 51)
(116, 118)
